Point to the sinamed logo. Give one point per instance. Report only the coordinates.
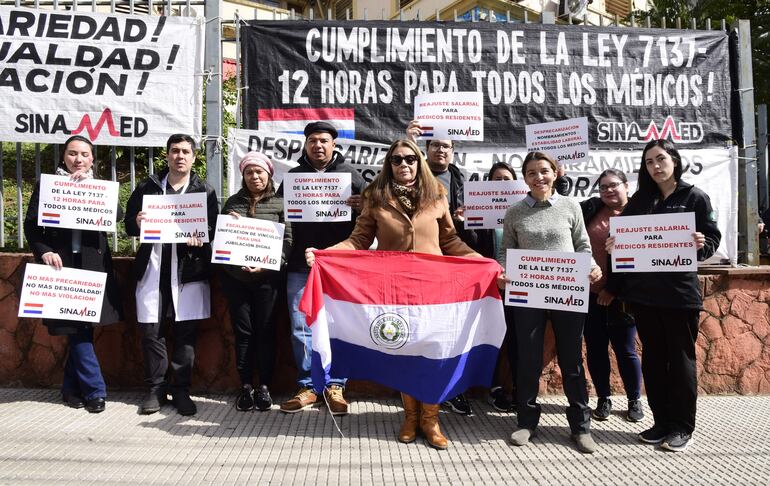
(77, 312)
(468, 132)
(671, 262)
(569, 301)
(338, 212)
(126, 126)
(95, 222)
(622, 132)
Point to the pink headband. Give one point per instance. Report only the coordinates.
(256, 158)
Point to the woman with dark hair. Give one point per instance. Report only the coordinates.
(83, 384)
(543, 220)
(251, 291)
(406, 209)
(607, 322)
(667, 305)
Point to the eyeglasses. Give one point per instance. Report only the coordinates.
(396, 160)
(607, 187)
(440, 146)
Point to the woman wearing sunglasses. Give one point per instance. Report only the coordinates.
(406, 209)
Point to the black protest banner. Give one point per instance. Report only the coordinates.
(632, 84)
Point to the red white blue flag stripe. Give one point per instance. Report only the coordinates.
(293, 120)
(430, 326)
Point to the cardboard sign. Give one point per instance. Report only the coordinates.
(317, 197)
(70, 294)
(174, 218)
(486, 202)
(451, 116)
(654, 243)
(248, 242)
(547, 279)
(89, 204)
(565, 140)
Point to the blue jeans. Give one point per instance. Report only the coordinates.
(301, 335)
(82, 374)
(599, 333)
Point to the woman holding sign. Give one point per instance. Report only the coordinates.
(82, 384)
(607, 322)
(406, 209)
(251, 291)
(543, 220)
(667, 305)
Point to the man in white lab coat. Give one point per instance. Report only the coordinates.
(172, 282)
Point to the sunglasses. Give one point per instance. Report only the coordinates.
(607, 187)
(396, 160)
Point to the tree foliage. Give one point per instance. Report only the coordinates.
(756, 11)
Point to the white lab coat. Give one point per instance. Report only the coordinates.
(191, 300)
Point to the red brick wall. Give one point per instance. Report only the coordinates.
(733, 346)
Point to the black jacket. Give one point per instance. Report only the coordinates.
(669, 289)
(95, 256)
(269, 209)
(317, 234)
(193, 262)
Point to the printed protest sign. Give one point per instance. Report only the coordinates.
(117, 79)
(174, 218)
(547, 279)
(654, 243)
(565, 140)
(317, 197)
(248, 242)
(486, 202)
(89, 204)
(70, 294)
(450, 116)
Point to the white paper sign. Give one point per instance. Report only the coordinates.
(317, 197)
(70, 294)
(114, 78)
(547, 280)
(486, 202)
(451, 116)
(90, 204)
(248, 242)
(564, 140)
(174, 218)
(654, 243)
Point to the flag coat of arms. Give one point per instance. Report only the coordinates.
(427, 325)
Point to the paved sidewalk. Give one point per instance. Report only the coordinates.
(44, 442)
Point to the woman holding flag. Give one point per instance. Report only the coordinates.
(406, 209)
(251, 291)
(543, 220)
(667, 305)
(82, 384)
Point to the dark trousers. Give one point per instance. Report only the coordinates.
(251, 309)
(511, 345)
(82, 374)
(668, 364)
(183, 334)
(530, 332)
(600, 331)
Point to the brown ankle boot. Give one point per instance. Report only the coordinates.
(429, 426)
(408, 432)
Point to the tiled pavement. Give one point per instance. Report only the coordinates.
(43, 442)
